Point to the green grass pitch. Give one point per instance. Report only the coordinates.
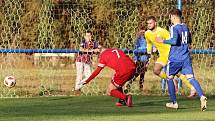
(101, 108)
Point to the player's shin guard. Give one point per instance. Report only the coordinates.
(162, 75)
(116, 93)
(197, 86)
(171, 90)
(186, 82)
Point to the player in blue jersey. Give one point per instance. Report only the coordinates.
(180, 58)
(141, 60)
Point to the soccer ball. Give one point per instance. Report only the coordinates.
(9, 81)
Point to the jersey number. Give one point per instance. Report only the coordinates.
(117, 53)
(184, 37)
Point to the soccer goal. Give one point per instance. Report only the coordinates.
(39, 40)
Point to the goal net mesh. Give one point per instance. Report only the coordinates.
(61, 24)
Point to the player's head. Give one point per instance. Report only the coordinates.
(141, 31)
(175, 15)
(151, 22)
(88, 36)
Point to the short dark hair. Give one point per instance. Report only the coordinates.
(175, 12)
(151, 18)
(88, 31)
(142, 28)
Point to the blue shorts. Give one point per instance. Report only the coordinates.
(184, 67)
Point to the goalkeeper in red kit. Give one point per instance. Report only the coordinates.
(124, 68)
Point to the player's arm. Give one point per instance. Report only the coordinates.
(173, 37)
(93, 75)
(189, 41)
(101, 65)
(166, 34)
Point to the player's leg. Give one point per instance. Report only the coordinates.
(142, 74)
(188, 71)
(136, 74)
(163, 81)
(172, 70)
(199, 91)
(159, 65)
(176, 84)
(188, 84)
(180, 88)
(163, 85)
(195, 83)
(115, 87)
(79, 75)
(158, 70)
(79, 71)
(113, 90)
(171, 90)
(87, 70)
(121, 102)
(161, 61)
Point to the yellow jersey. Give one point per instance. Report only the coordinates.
(163, 49)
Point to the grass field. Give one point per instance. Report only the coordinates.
(101, 108)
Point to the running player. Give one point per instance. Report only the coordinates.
(163, 49)
(180, 58)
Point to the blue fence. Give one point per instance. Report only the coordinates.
(195, 51)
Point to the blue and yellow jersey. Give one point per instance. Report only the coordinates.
(162, 48)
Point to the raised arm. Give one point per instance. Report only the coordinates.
(173, 37)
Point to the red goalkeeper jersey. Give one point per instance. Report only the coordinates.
(117, 60)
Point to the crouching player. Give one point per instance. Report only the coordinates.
(124, 68)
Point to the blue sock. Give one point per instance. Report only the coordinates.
(163, 84)
(179, 83)
(171, 90)
(197, 86)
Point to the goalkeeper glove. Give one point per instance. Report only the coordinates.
(81, 84)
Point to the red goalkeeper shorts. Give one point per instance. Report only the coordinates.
(119, 80)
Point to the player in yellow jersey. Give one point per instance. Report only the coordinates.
(163, 49)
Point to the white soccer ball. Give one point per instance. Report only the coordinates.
(9, 81)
